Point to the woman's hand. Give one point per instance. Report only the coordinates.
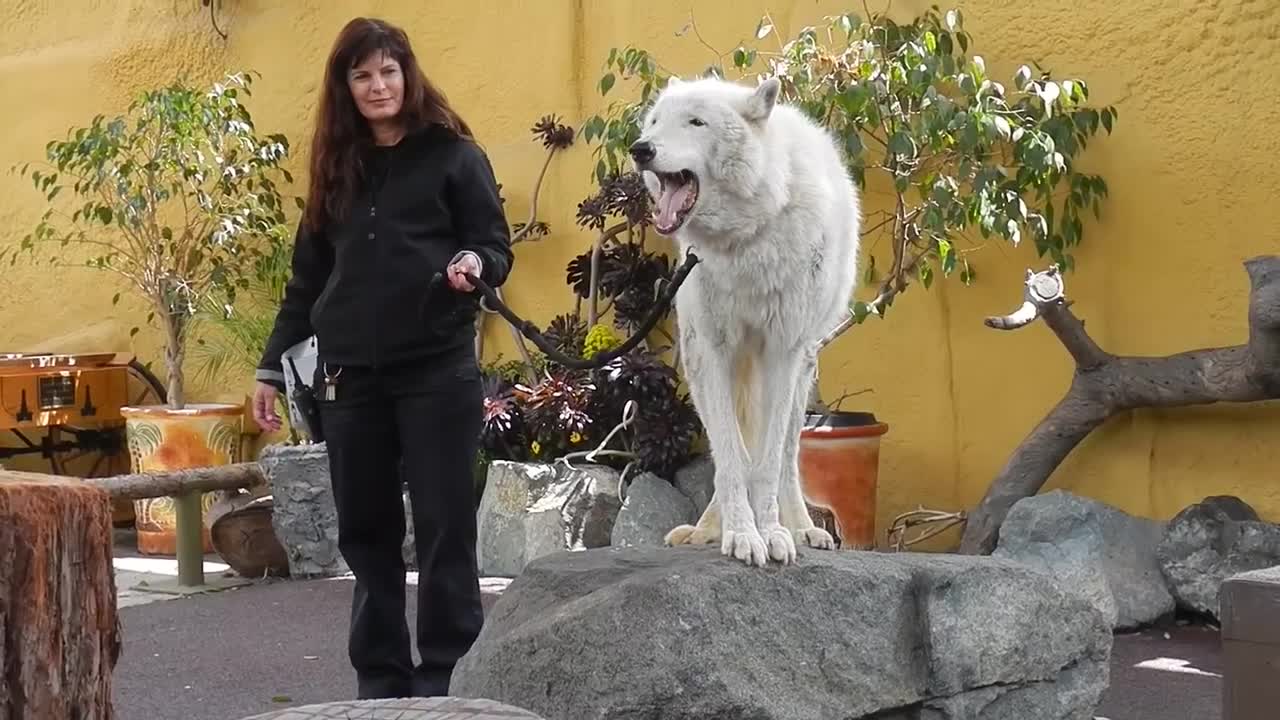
(264, 407)
(464, 262)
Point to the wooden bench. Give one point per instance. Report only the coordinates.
(185, 486)
(437, 708)
(1249, 607)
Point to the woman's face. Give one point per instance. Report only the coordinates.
(377, 85)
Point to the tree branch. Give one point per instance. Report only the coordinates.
(176, 482)
(1106, 385)
(1044, 298)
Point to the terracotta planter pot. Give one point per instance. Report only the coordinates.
(839, 472)
(200, 435)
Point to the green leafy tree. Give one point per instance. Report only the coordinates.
(178, 197)
(967, 157)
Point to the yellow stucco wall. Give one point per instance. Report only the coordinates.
(1191, 170)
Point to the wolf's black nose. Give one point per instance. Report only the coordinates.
(642, 151)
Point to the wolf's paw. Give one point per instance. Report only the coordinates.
(815, 537)
(782, 547)
(690, 535)
(746, 545)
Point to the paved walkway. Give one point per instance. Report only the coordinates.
(254, 647)
(282, 643)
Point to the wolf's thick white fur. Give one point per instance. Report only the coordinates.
(775, 220)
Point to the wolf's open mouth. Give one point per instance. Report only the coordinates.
(674, 201)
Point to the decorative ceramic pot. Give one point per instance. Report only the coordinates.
(160, 438)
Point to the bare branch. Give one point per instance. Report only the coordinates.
(1106, 385)
(1044, 298)
(533, 199)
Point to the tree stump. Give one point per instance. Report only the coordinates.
(59, 632)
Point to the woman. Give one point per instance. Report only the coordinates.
(399, 192)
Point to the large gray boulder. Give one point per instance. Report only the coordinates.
(1092, 548)
(684, 633)
(1209, 542)
(529, 510)
(303, 514)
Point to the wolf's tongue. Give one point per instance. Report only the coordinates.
(671, 200)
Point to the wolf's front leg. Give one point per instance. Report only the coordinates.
(794, 511)
(783, 371)
(709, 369)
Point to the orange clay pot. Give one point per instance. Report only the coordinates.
(201, 435)
(839, 472)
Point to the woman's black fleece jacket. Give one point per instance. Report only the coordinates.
(362, 285)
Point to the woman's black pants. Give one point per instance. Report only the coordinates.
(415, 426)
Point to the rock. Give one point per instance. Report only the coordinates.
(653, 506)
(529, 510)
(1210, 541)
(432, 708)
(1092, 548)
(592, 508)
(303, 515)
(683, 633)
(697, 481)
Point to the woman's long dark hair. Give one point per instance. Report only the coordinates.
(341, 131)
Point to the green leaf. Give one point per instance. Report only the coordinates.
(947, 255)
(902, 144)
(1022, 77)
(606, 83)
(926, 275)
(1002, 127)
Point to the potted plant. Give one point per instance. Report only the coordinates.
(960, 153)
(178, 198)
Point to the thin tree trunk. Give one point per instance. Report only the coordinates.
(175, 356)
(1105, 385)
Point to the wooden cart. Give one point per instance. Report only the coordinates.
(66, 409)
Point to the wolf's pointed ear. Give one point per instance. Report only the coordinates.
(761, 102)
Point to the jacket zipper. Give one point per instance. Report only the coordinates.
(373, 211)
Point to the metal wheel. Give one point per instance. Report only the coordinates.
(102, 450)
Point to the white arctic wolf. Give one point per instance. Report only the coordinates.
(759, 192)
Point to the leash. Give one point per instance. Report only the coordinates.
(600, 359)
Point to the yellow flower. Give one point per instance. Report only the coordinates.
(575, 438)
(601, 338)
(536, 447)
